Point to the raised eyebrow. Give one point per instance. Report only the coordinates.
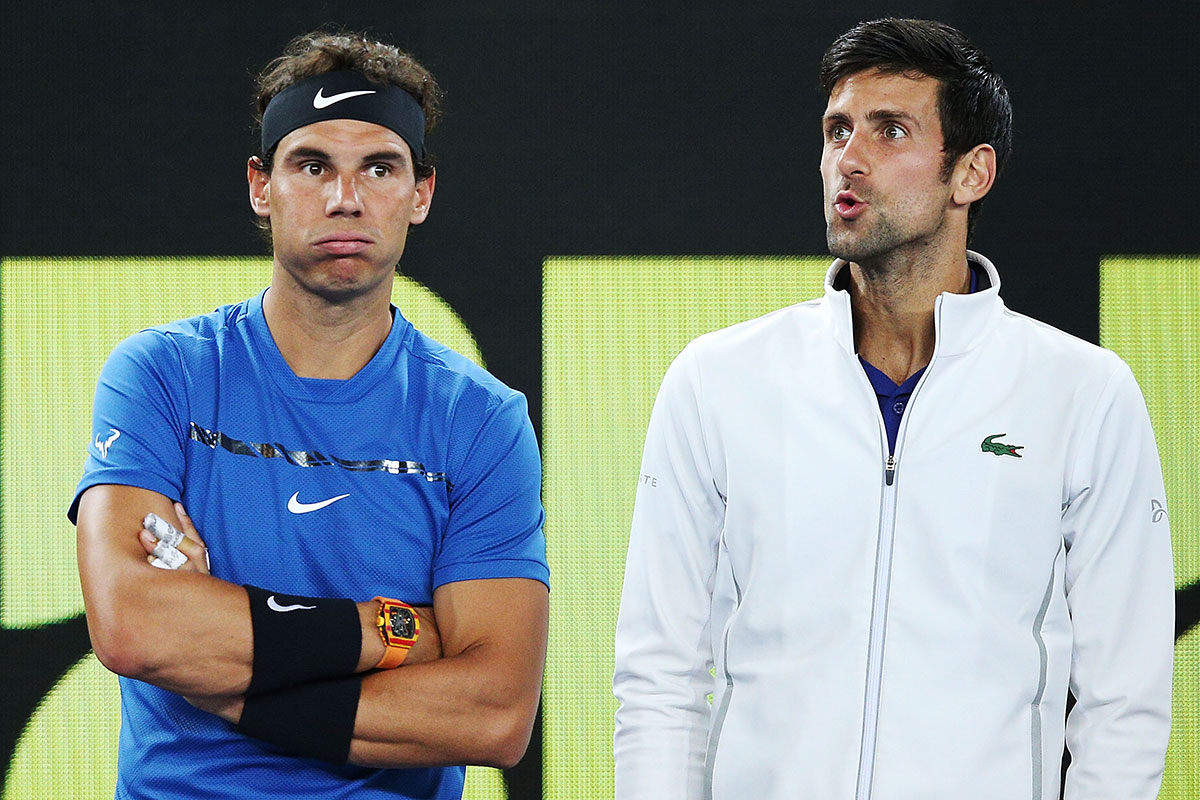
(893, 115)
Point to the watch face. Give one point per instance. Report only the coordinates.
(401, 623)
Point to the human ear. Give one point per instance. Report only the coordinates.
(260, 186)
(974, 174)
(422, 199)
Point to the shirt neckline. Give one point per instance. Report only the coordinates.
(323, 390)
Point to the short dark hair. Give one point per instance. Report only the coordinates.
(973, 103)
(319, 52)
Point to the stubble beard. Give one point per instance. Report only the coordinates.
(865, 246)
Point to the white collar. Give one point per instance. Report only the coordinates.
(960, 320)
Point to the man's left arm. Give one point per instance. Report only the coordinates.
(477, 704)
(1120, 592)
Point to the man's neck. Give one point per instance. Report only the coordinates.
(892, 304)
(322, 339)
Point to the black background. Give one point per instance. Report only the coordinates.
(581, 128)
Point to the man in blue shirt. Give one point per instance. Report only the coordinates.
(328, 453)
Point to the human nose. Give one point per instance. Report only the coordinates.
(343, 197)
(852, 158)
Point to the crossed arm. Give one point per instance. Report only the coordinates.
(471, 700)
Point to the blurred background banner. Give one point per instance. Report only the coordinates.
(612, 181)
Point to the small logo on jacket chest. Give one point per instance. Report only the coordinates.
(990, 445)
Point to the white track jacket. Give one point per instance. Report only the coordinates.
(897, 628)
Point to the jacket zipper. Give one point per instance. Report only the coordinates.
(883, 581)
(879, 607)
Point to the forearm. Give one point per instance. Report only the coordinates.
(186, 632)
(210, 653)
(475, 706)
(453, 711)
(661, 681)
(183, 630)
(478, 704)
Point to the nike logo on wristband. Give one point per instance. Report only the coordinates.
(274, 606)
(321, 101)
(296, 507)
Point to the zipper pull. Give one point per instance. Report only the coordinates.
(889, 470)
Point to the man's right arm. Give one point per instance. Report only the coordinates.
(663, 659)
(142, 618)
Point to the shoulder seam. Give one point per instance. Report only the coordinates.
(425, 358)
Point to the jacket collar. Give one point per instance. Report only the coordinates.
(960, 320)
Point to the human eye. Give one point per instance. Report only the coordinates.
(837, 132)
(894, 131)
(379, 170)
(313, 168)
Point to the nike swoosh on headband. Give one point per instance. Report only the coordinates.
(273, 604)
(321, 101)
(296, 507)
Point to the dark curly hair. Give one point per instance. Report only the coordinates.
(319, 52)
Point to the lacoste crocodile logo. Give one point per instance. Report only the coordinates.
(990, 445)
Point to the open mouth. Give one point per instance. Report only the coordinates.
(848, 205)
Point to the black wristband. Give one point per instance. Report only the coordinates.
(301, 639)
(315, 720)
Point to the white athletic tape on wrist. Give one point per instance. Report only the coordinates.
(169, 555)
(162, 530)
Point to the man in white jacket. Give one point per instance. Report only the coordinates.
(889, 528)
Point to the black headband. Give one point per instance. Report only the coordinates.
(344, 95)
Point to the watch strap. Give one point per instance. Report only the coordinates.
(396, 648)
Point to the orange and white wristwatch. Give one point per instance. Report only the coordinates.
(399, 626)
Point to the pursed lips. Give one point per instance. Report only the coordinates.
(848, 205)
(344, 243)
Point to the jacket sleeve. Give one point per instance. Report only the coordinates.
(1120, 591)
(663, 651)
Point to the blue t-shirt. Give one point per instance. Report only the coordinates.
(892, 397)
(420, 470)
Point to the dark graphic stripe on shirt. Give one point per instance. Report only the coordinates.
(311, 458)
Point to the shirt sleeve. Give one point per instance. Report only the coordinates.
(137, 438)
(663, 652)
(1120, 591)
(496, 516)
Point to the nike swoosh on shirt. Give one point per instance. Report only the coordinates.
(296, 507)
(321, 101)
(274, 606)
